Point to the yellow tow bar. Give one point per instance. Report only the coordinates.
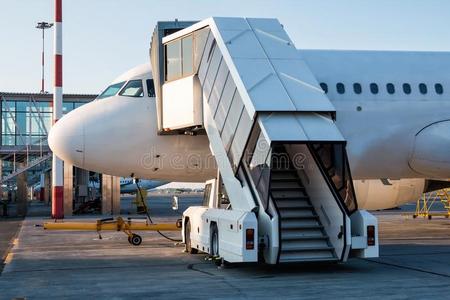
(118, 224)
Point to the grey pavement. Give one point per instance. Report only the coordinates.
(414, 264)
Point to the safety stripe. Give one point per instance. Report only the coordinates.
(58, 10)
(58, 70)
(58, 202)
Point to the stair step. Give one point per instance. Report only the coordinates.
(304, 249)
(286, 185)
(284, 179)
(285, 204)
(298, 217)
(303, 237)
(283, 170)
(301, 226)
(287, 188)
(304, 232)
(289, 194)
(293, 197)
(307, 259)
(319, 244)
(297, 213)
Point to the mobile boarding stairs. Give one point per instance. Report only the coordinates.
(284, 191)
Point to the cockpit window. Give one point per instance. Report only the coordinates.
(111, 90)
(151, 88)
(133, 89)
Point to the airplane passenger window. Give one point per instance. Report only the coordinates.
(374, 88)
(324, 87)
(151, 88)
(111, 90)
(438, 88)
(390, 88)
(407, 88)
(423, 88)
(133, 89)
(357, 88)
(340, 88)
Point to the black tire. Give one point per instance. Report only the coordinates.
(187, 239)
(136, 239)
(214, 241)
(129, 239)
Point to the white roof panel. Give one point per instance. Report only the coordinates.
(281, 127)
(226, 23)
(263, 85)
(277, 45)
(266, 24)
(319, 127)
(302, 87)
(299, 127)
(259, 53)
(242, 44)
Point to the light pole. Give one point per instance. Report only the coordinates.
(43, 26)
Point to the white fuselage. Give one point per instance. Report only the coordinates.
(389, 135)
(382, 129)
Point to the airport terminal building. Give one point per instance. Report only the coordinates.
(26, 157)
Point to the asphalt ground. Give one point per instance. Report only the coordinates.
(414, 263)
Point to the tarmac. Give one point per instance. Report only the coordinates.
(414, 263)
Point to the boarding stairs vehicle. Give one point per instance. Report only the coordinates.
(283, 191)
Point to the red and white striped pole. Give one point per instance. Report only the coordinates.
(57, 164)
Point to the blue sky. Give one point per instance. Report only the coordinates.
(103, 38)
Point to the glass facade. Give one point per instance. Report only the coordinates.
(27, 122)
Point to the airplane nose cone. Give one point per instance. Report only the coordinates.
(66, 140)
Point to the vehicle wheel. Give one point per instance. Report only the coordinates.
(214, 246)
(187, 239)
(129, 239)
(136, 239)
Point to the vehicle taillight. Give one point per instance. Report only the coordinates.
(370, 235)
(250, 239)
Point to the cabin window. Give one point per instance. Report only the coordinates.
(438, 88)
(423, 88)
(179, 58)
(151, 88)
(111, 90)
(324, 87)
(173, 60)
(357, 88)
(340, 88)
(133, 89)
(187, 59)
(390, 88)
(374, 88)
(407, 88)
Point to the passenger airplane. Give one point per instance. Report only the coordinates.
(128, 185)
(393, 108)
